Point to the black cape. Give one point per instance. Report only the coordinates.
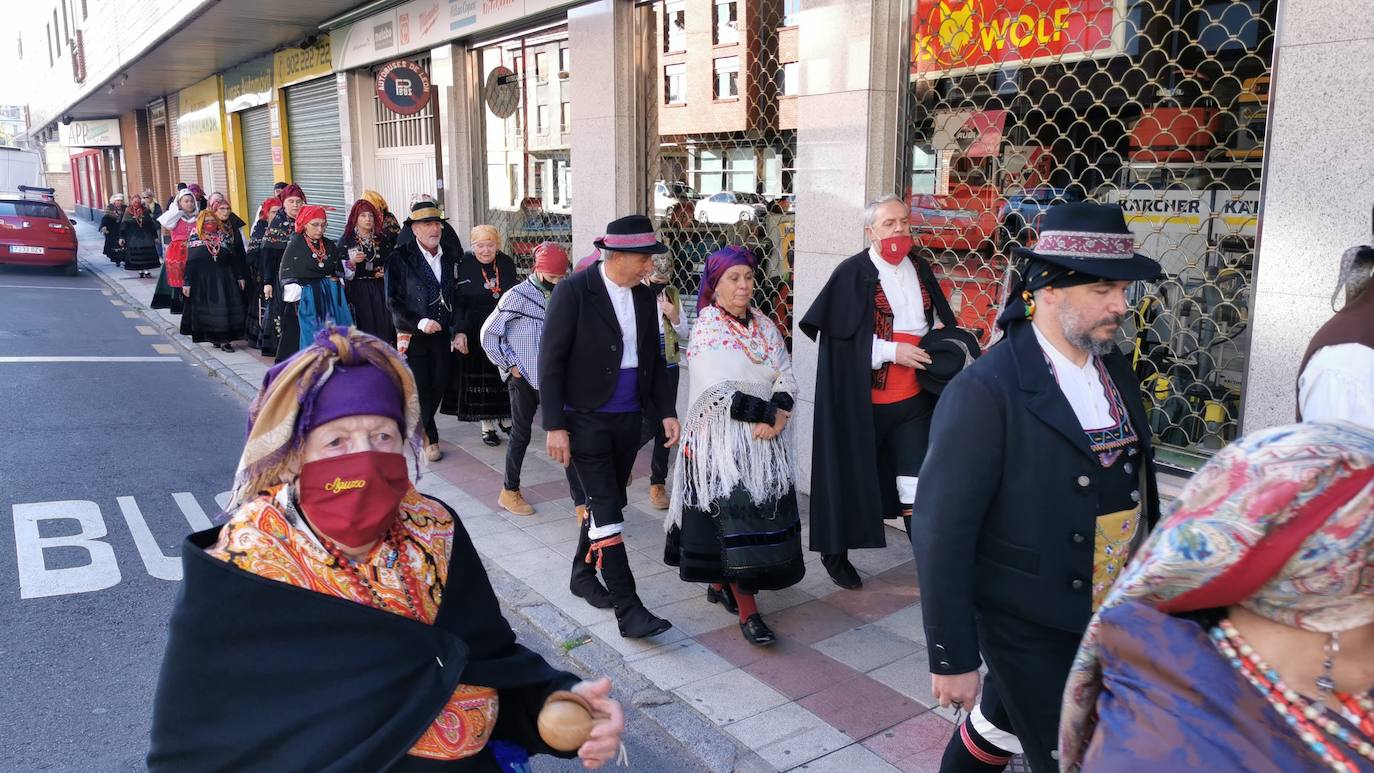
(852, 490)
(263, 676)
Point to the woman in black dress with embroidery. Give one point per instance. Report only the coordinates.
(109, 225)
(279, 231)
(215, 275)
(260, 332)
(138, 234)
(363, 249)
(476, 391)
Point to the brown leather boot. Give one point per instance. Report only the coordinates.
(514, 502)
(658, 496)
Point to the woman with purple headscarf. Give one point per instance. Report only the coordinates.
(732, 521)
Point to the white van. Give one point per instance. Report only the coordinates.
(19, 167)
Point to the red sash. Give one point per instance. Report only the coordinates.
(901, 383)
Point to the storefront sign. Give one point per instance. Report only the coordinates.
(200, 124)
(248, 85)
(954, 37)
(90, 134)
(403, 87)
(423, 24)
(295, 65)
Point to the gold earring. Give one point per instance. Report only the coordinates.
(1029, 300)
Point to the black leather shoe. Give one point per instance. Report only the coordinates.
(724, 597)
(505, 428)
(489, 437)
(757, 632)
(841, 571)
(636, 622)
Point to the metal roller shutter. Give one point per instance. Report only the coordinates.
(312, 125)
(257, 156)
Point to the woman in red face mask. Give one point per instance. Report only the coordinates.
(416, 668)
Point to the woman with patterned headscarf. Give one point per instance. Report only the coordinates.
(363, 250)
(1242, 635)
(476, 391)
(261, 334)
(180, 223)
(341, 620)
(280, 228)
(389, 226)
(138, 234)
(215, 276)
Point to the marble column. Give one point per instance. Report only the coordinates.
(457, 78)
(847, 148)
(1317, 191)
(608, 151)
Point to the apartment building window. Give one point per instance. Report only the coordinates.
(791, 12)
(675, 84)
(789, 75)
(541, 66)
(675, 26)
(56, 33)
(565, 117)
(518, 115)
(564, 60)
(66, 26)
(725, 29)
(83, 10)
(51, 62)
(727, 78)
(541, 119)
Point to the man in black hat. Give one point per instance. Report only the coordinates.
(600, 367)
(872, 412)
(1038, 487)
(420, 276)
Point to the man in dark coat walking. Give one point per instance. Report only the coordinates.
(1038, 488)
(600, 369)
(872, 415)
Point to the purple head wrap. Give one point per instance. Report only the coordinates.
(717, 264)
(360, 389)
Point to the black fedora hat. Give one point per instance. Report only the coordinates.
(425, 211)
(1089, 239)
(951, 349)
(633, 233)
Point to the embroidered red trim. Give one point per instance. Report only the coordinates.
(1082, 244)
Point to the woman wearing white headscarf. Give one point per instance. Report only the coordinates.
(179, 221)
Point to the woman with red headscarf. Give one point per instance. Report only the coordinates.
(311, 282)
(363, 250)
(261, 334)
(281, 227)
(215, 275)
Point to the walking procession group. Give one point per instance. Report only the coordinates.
(1234, 632)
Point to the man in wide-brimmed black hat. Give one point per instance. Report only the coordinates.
(1038, 487)
(601, 368)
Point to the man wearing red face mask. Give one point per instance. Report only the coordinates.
(341, 620)
(872, 415)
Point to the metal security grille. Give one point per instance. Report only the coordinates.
(1157, 105)
(312, 126)
(526, 141)
(404, 131)
(257, 156)
(723, 135)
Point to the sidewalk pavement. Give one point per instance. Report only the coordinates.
(845, 688)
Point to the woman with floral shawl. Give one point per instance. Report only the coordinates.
(312, 283)
(215, 275)
(179, 221)
(732, 521)
(138, 234)
(363, 250)
(1242, 635)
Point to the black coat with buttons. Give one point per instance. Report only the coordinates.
(1006, 512)
(579, 354)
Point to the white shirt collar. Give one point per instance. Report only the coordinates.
(610, 285)
(1062, 364)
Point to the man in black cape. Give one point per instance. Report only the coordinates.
(872, 415)
(1038, 488)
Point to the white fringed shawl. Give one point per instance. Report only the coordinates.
(719, 453)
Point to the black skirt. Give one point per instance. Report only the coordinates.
(475, 391)
(288, 329)
(166, 296)
(756, 546)
(367, 298)
(141, 257)
(214, 312)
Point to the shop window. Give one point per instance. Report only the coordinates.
(727, 78)
(675, 27)
(565, 117)
(1228, 26)
(791, 12)
(675, 84)
(725, 26)
(790, 82)
(541, 66)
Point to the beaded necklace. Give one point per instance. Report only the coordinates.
(1308, 719)
(750, 338)
(317, 249)
(409, 584)
(492, 282)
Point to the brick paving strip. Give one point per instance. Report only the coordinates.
(845, 688)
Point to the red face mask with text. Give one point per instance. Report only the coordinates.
(353, 499)
(895, 248)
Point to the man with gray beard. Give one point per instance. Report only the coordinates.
(1037, 488)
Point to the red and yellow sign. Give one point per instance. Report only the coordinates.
(955, 37)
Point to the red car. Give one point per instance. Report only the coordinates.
(34, 231)
(955, 222)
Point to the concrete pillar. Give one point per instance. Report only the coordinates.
(1316, 192)
(460, 111)
(847, 152)
(609, 156)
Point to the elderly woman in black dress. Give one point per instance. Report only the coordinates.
(363, 250)
(476, 391)
(138, 235)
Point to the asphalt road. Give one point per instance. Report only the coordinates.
(106, 466)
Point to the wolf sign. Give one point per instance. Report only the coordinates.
(956, 37)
